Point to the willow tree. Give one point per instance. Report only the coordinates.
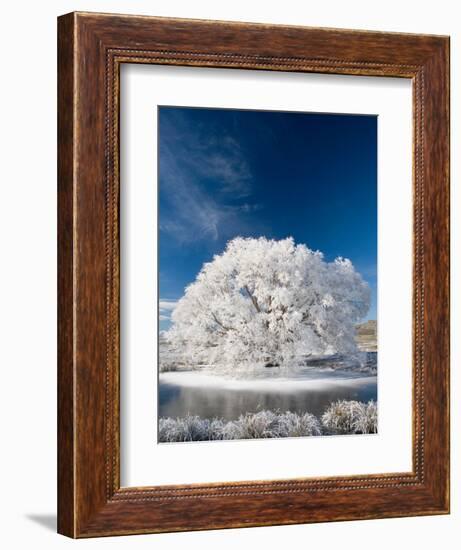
(268, 303)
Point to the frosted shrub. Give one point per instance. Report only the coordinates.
(189, 428)
(167, 430)
(342, 417)
(216, 429)
(260, 425)
(295, 425)
(351, 417)
(268, 424)
(367, 423)
(166, 365)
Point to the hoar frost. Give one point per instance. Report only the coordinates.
(268, 303)
(351, 417)
(341, 417)
(260, 425)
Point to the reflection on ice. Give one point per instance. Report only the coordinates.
(305, 389)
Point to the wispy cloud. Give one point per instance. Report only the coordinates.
(193, 160)
(221, 159)
(166, 308)
(167, 305)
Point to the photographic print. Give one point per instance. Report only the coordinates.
(267, 260)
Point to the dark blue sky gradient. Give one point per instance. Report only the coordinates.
(225, 172)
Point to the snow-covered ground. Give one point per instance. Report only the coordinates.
(307, 389)
(365, 361)
(208, 393)
(302, 379)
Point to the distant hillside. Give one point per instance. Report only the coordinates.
(367, 336)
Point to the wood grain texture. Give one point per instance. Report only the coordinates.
(66, 487)
(91, 49)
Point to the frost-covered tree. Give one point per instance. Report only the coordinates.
(268, 303)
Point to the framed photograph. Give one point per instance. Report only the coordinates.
(253, 275)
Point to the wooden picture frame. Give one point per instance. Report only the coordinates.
(91, 48)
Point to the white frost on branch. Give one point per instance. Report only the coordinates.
(268, 303)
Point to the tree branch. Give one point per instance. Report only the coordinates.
(311, 325)
(218, 322)
(253, 299)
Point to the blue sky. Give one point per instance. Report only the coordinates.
(226, 172)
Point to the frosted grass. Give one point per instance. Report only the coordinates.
(342, 417)
(350, 417)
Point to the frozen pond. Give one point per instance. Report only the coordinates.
(309, 389)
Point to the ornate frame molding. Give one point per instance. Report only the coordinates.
(91, 49)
